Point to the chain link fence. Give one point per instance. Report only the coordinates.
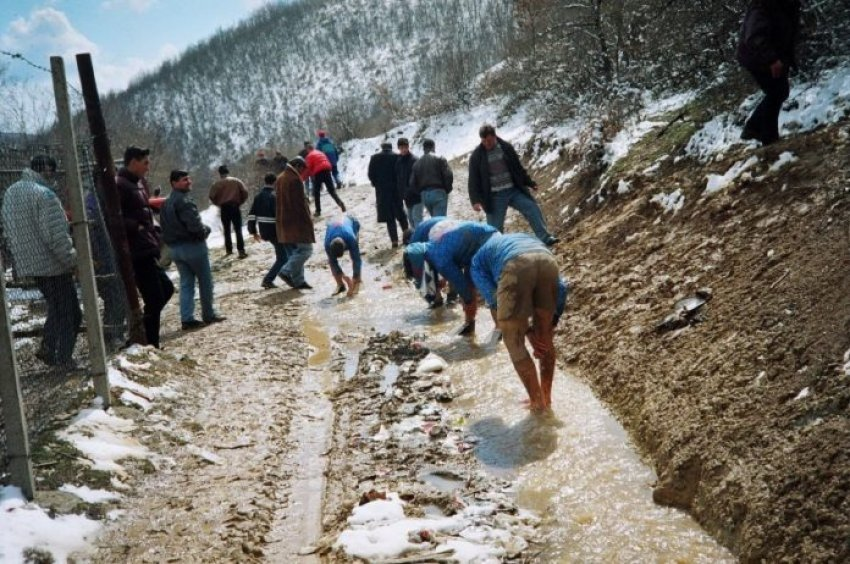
(42, 291)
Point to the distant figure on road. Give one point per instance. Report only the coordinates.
(263, 227)
(36, 228)
(431, 180)
(326, 145)
(403, 172)
(319, 168)
(294, 224)
(497, 181)
(186, 236)
(388, 198)
(766, 49)
(342, 235)
(144, 241)
(518, 278)
(448, 253)
(229, 193)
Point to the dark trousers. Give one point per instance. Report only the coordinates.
(399, 216)
(156, 289)
(63, 317)
(325, 178)
(763, 123)
(230, 215)
(281, 255)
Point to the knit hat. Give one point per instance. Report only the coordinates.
(428, 144)
(403, 142)
(385, 146)
(321, 133)
(414, 260)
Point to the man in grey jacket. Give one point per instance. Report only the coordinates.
(186, 236)
(37, 232)
(431, 179)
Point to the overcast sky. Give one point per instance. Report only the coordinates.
(124, 37)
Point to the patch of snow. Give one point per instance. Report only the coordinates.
(804, 393)
(89, 495)
(26, 525)
(104, 439)
(717, 182)
(672, 202)
(786, 158)
(624, 187)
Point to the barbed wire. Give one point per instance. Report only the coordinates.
(21, 57)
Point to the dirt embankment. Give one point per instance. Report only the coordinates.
(744, 410)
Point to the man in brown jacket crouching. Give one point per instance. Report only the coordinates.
(294, 224)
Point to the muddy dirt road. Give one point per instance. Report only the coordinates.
(278, 430)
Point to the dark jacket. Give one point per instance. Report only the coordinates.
(769, 33)
(263, 210)
(431, 171)
(142, 237)
(403, 168)
(382, 176)
(479, 174)
(292, 214)
(180, 220)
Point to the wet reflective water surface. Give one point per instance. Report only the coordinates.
(575, 467)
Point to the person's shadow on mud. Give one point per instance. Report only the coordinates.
(510, 446)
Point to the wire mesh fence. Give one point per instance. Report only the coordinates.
(43, 294)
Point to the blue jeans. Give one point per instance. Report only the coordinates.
(523, 203)
(298, 255)
(414, 212)
(193, 261)
(280, 256)
(436, 201)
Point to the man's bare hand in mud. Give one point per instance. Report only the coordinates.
(353, 286)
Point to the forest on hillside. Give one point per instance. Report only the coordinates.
(359, 67)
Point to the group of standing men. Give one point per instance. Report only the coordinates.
(406, 186)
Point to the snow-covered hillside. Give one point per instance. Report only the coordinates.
(271, 81)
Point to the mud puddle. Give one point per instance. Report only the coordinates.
(576, 468)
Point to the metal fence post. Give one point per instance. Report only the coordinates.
(14, 418)
(80, 232)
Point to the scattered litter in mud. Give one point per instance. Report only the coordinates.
(402, 480)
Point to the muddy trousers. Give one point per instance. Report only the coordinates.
(156, 289)
(324, 177)
(230, 215)
(763, 123)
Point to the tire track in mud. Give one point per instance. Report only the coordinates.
(224, 465)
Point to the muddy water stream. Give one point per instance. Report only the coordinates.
(576, 468)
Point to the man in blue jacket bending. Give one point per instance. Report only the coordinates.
(518, 278)
(342, 235)
(449, 251)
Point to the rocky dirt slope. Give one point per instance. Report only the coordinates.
(744, 407)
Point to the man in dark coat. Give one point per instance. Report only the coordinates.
(497, 181)
(154, 285)
(382, 175)
(186, 236)
(766, 50)
(263, 227)
(403, 168)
